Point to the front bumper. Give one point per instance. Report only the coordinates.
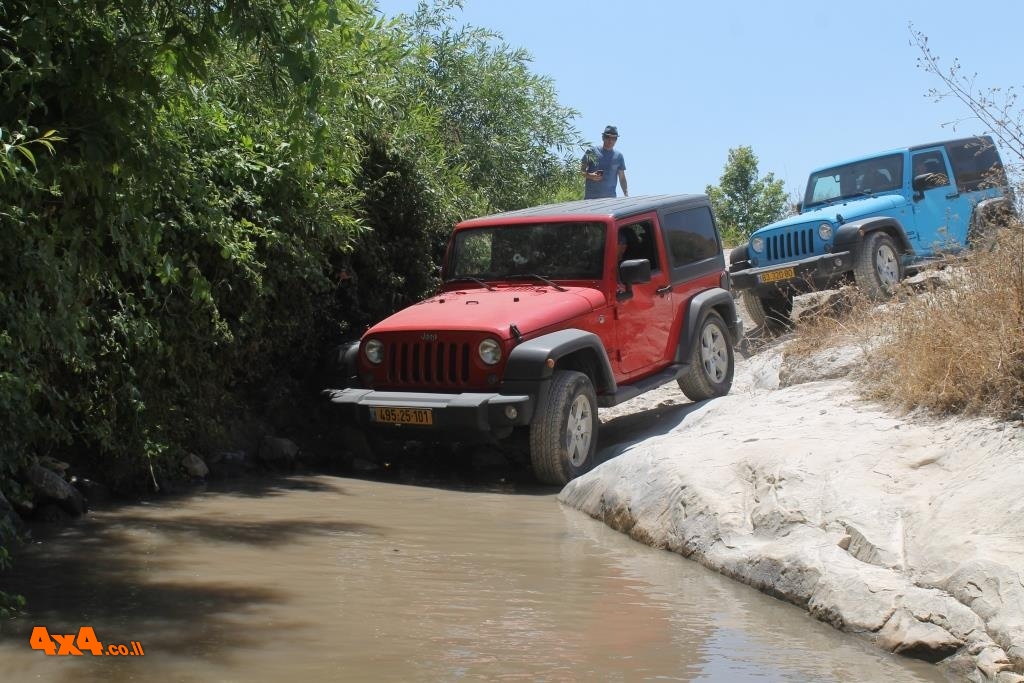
(815, 271)
(448, 413)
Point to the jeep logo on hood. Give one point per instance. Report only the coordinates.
(429, 336)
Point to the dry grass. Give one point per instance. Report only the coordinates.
(955, 346)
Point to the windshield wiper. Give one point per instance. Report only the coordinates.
(470, 278)
(525, 276)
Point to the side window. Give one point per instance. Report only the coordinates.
(976, 164)
(639, 243)
(691, 236)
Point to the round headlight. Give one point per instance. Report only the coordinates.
(825, 231)
(490, 351)
(374, 350)
(757, 244)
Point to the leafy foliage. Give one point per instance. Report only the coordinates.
(502, 125)
(742, 201)
(175, 251)
(17, 152)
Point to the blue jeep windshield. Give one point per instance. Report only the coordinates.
(856, 179)
(559, 251)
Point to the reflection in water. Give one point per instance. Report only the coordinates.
(324, 579)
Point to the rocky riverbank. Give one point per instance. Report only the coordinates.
(907, 530)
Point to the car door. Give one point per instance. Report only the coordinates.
(941, 214)
(644, 317)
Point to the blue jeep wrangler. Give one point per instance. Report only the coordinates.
(870, 219)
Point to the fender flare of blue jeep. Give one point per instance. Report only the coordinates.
(850, 235)
(527, 370)
(717, 299)
(739, 258)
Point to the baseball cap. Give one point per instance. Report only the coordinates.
(611, 130)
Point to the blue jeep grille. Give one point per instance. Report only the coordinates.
(792, 244)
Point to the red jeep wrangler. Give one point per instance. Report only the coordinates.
(546, 314)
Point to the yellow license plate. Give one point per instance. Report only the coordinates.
(776, 275)
(403, 416)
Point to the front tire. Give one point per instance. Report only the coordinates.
(564, 439)
(712, 362)
(768, 313)
(879, 266)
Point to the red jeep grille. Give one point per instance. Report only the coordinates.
(428, 363)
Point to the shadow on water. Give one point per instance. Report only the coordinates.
(263, 487)
(100, 572)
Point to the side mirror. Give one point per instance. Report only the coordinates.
(921, 182)
(927, 181)
(632, 272)
(635, 271)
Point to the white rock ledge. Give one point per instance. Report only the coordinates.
(906, 531)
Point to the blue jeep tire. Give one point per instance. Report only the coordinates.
(878, 266)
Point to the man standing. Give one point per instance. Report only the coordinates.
(603, 167)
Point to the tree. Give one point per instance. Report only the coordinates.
(742, 201)
(502, 125)
(147, 261)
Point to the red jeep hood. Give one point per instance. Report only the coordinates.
(528, 308)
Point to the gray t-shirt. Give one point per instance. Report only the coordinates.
(609, 161)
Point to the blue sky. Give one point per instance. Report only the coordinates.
(802, 83)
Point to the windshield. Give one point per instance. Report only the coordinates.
(557, 251)
(856, 179)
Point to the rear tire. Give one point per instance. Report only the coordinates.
(768, 313)
(712, 362)
(878, 267)
(564, 439)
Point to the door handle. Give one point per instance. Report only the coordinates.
(662, 291)
(953, 195)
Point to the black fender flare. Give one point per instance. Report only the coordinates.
(739, 258)
(341, 365)
(710, 299)
(529, 372)
(850, 235)
(529, 361)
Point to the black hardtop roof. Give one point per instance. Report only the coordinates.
(615, 207)
(971, 138)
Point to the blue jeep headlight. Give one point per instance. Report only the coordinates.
(825, 231)
(757, 244)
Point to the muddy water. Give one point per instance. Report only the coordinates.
(320, 578)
